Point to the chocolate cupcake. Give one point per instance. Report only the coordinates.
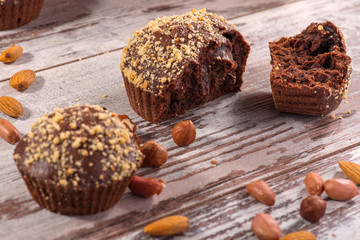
(15, 13)
(78, 160)
(176, 63)
(310, 71)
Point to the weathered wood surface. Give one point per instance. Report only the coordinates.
(68, 30)
(243, 132)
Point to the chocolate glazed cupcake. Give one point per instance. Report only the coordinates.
(78, 160)
(15, 13)
(179, 62)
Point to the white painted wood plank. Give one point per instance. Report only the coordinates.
(254, 139)
(68, 30)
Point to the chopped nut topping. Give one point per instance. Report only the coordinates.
(70, 141)
(179, 41)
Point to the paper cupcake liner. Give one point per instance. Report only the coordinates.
(75, 201)
(14, 14)
(315, 101)
(150, 107)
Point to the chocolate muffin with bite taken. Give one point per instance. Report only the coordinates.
(178, 62)
(310, 71)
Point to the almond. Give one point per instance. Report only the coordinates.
(146, 187)
(168, 226)
(340, 189)
(314, 183)
(8, 132)
(11, 54)
(261, 192)
(11, 106)
(265, 227)
(351, 170)
(23, 79)
(155, 154)
(312, 208)
(300, 235)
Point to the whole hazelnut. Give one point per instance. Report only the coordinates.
(155, 154)
(184, 133)
(312, 208)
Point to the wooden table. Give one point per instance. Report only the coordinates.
(75, 48)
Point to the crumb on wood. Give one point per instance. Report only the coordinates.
(332, 116)
(104, 96)
(213, 162)
(339, 117)
(79, 59)
(349, 111)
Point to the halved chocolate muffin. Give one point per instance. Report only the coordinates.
(176, 63)
(78, 160)
(310, 71)
(15, 13)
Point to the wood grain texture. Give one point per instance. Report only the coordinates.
(230, 216)
(252, 141)
(68, 30)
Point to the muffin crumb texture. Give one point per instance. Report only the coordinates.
(311, 70)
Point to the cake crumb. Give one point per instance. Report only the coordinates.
(77, 99)
(332, 116)
(320, 27)
(213, 162)
(122, 85)
(79, 59)
(104, 96)
(349, 111)
(339, 117)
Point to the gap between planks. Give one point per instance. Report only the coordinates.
(215, 197)
(120, 48)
